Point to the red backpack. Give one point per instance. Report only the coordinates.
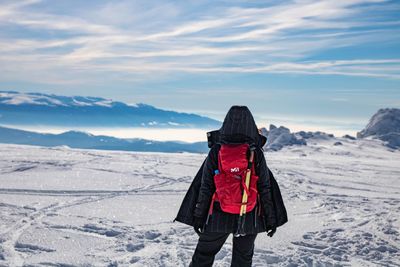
(230, 178)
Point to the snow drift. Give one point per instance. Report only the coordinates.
(76, 207)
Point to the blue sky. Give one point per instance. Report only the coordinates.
(325, 65)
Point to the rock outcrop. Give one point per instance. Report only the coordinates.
(277, 138)
(384, 125)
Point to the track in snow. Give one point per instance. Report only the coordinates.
(76, 207)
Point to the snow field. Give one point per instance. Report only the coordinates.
(72, 207)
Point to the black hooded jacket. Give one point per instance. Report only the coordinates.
(238, 127)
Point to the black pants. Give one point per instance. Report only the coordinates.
(210, 243)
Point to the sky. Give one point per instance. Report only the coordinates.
(312, 65)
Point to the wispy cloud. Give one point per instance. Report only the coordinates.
(155, 38)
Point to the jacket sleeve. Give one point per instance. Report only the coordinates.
(264, 187)
(279, 207)
(207, 187)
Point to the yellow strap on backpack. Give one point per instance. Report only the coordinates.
(247, 182)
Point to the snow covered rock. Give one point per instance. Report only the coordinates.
(384, 125)
(349, 137)
(280, 137)
(277, 138)
(392, 139)
(317, 135)
(264, 131)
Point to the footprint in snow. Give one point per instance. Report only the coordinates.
(151, 235)
(131, 247)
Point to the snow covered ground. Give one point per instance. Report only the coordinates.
(73, 207)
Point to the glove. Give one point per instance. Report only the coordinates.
(271, 232)
(198, 224)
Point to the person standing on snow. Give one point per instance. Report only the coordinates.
(214, 204)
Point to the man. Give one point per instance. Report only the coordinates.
(207, 208)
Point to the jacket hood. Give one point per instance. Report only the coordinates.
(213, 137)
(239, 126)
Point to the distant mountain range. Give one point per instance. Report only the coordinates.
(76, 139)
(34, 108)
(53, 110)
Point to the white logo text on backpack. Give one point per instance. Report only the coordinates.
(236, 169)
